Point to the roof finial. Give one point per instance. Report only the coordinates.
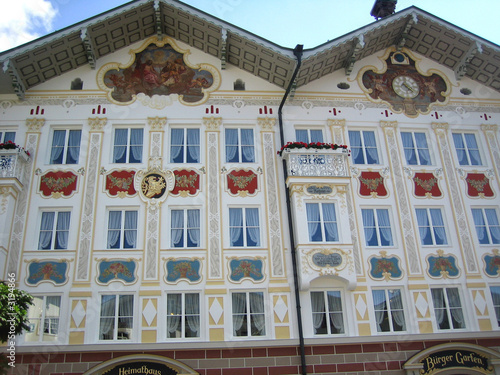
(383, 8)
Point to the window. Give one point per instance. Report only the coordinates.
(185, 146)
(431, 226)
(487, 226)
(327, 317)
(183, 315)
(244, 229)
(416, 148)
(117, 317)
(185, 226)
(377, 227)
(308, 135)
(54, 230)
(65, 147)
(389, 312)
(447, 308)
(43, 317)
(249, 318)
(363, 147)
(122, 230)
(239, 146)
(322, 222)
(128, 146)
(467, 149)
(7, 136)
(495, 296)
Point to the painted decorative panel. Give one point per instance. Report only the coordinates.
(246, 268)
(492, 263)
(113, 270)
(183, 269)
(478, 185)
(426, 185)
(54, 271)
(372, 184)
(441, 266)
(120, 183)
(187, 182)
(58, 184)
(242, 182)
(385, 268)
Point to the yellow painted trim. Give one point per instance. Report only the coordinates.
(73, 305)
(284, 289)
(484, 325)
(150, 284)
(154, 323)
(148, 336)
(361, 288)
(282, 332)
(216, 334)
(364, 329)
(425, 326)
(76, 338)
(215, 291)
(476, 285)
(148, 293)
(418, 286)
(80, 294)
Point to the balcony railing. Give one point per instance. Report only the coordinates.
(12, 163)
(317, 163)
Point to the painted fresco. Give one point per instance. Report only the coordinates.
(183, 269)
(385, 267)
(187, 182)
(246, 268)
(58, 184)
(442, 266)
(372, 184)
(116, 270)
(426, 185)
(492, 264)
(158, 71)
(120, 183)
(478, 185)
(47, 271)
(242, 182)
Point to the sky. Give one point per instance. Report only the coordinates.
(283, 22)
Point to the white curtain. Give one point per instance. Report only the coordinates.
(193, 313)
(475, 158)
(384, 225)
(316, 136)
(114, 229)
(301, 135)
(370, 147)
(231, 145)
(252, 223)
(455, 307)
(423, 149)
(247, 149)
(193, 145)
(335, 309)
(495, 296)
(177, 226)
(494, 226)
(329, 218)
(369, 225)
(52, 310)
(313, 221)
(257, 313)
(439, 305)
(409, 148)
(380, 307)
(355, 140)
(318, 309)
(46, 228)
(438, 226)
(397, 309)
(235, 225)
(239, 311)
(174, 313)
(125, 315)
(120, 145)
(176, 145)
(136, 139)
(62, 230)
(107, 320)
(130, 229)
(423, 226)
(193, 224)
(477, 215)
(73, 146)
(57, 146)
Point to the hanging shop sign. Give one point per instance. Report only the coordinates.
(446, 359)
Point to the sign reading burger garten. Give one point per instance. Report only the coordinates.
(141, 368)
(446, 359)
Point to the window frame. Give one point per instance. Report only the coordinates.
(185, 147)
(363, 148)
(432, 226)
(496, 303)
(322, 223)
(467, 149)
(377, 227)
(326, 313)
(42, 317)
(3, 133)
(183, 316)
(122, 228)
(239, 151)
(249, 315)
(447, 309)
(416, 148)
(128, 146)
(389, 311)
(486, 224)
(309, 135)
(116, 317)
(54, 231)
(65, 152)
(246, 237)
(185, 229)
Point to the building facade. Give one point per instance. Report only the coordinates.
(181, 196)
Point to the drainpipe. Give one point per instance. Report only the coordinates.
(297, 51)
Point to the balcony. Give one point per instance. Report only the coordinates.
(316, 162)
(12, 165)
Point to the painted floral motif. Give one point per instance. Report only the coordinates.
(183, 269)
(385, 268)
(312, 145)
(63, 183)
(242, 181)
(40, 271)
(186, 182)
(478, 185)
(441, 266)
(241, 268)
(120, 183)
(114, 270)
(426, 184)
(372, 184)
(492, 264)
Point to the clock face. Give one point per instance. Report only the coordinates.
(405, 86)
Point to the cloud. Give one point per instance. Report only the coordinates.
(25, 20)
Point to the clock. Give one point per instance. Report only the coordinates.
(405, 86)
